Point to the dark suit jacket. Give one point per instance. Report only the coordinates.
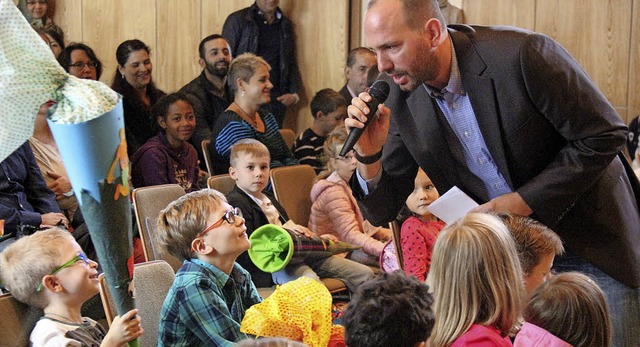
(345, 93)
(553, 135)
(253, 219)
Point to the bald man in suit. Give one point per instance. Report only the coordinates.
(509, 117)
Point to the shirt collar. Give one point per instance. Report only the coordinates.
(219, 276)
(455, 80)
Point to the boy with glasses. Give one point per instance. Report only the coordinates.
(211, 292)
(49, 270)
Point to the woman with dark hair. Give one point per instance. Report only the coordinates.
(79, 60)
(133, 81)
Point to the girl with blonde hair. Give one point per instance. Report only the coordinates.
(335, 211)
(476, 281)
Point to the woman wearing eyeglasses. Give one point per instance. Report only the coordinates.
(79, 60)
(335, 211)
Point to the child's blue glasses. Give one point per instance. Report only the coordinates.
(80, 256)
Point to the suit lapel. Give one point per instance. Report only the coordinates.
(483, 99)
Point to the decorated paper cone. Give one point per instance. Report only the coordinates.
(274, 247)
(88, 126)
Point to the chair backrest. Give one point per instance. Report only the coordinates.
(107, 299)
(292, 188)
(395, 229)
(222, 183)
(151, 282)
(147, 204)
(18, 320)
(289, 137)
(205, 153)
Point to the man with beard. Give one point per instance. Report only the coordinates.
(209, 92)
(510, 118)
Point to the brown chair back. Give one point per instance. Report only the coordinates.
(222, 183)
(292, 188)
(289, 137)
(147, 204)
(207, 158)
(18, 320)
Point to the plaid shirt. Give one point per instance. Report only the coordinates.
(204, 307)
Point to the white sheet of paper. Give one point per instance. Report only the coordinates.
(452, 205)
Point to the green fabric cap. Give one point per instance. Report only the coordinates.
(271, 248)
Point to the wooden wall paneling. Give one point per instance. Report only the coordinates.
(596, 33)
(68, 16)
(634, 64)
(214, 13)
(520, 13)
(322, 43)
(106, 24)
(178, 36)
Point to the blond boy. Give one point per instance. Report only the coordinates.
(50, 271)
(250, 169)
(211, 292)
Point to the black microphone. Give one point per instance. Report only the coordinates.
(379, 92)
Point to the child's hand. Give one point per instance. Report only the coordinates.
(304, 231)
(329, 237)
(123, 329)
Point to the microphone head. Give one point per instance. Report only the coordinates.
(379, 90)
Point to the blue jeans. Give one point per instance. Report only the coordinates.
(624, 302)
(351, 273)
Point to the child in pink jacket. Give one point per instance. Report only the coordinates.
(335, 211)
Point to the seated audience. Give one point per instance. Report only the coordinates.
(79, 60)
(477, 284)
(36, 13)
(390, 310)
(133, 81)
(209, 91)
(568, 310)
(360, 62)
(26, 204)
(211, 292)
(250, 169)
(335, 211)
(55, 41)
(50, 163)
(50, 271)
(168, 157)
(537, 247)
(249, 81)
(328, 109)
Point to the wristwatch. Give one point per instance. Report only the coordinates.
(368, 159)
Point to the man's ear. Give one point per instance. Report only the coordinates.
(433, 28)
(202, 63)
(421, 344)
(320, 115)
(347, 72)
